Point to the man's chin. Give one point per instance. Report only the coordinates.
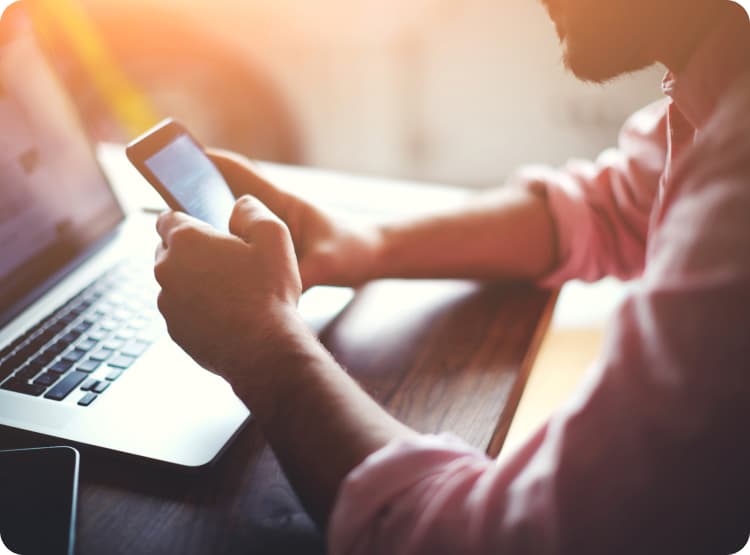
(599, 68)
(587, 71)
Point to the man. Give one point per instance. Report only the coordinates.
(651, 455)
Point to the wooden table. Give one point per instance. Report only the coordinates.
(571, 345)
(440, 355)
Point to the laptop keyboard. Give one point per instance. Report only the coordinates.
(85, 345)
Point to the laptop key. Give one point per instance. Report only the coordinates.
(102, 354)
(47, 379)
(77, 310)
(86, 344)
(122, 361)
(7, 368)
(15, 360)
(113, 375)
(70, 337)
(50, 352)
(17, 342)
(101, 387)
(5, 351)
(56, 328)
(28, 372)
(68, 384)
(136, 348)
(47, 335)
(21, 386)
(28, 350)
(113, 344)
(60, 367)
(109, 325)
(83, 327)
(122, 314)
(100, 312)
(44, 358)
(116, 298)
(97, 335)
(125, 334)
(34, 346)
(88, 365)
(68, 318)
(74, 356)
(87, 399)
(57, 347)
(89, 384)
(25, 337)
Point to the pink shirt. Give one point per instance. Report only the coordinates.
(651, 455)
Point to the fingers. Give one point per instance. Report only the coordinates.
(171, 224)
(244, 179)
(253, 222)
(179, 234)
(167, 221)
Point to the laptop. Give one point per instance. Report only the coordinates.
(84, 353)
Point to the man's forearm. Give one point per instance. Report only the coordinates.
(318, 421)
(508, 232)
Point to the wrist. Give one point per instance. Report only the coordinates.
(277, 359)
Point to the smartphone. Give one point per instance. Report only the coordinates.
(177, 166)
(38, 498)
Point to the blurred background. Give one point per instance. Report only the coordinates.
(447, 91)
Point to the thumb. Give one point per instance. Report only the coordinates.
(243, 178)
(253, 222)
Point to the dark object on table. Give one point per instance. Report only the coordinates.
(38, 501)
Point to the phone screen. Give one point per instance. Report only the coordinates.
(38, 490)
(188, 174)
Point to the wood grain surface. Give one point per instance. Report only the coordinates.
(440, 355)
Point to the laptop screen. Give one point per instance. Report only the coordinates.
(54, 199)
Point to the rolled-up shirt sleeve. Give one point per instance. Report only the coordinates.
(601, 210)
(649, 456)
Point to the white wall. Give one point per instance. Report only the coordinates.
(459, 91)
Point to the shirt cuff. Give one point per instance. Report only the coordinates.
(567, 208)
(385, 475)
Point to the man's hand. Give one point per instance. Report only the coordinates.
(328, 252)
(230, 302)
(228, 299)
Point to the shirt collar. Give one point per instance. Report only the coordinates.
(722, 56)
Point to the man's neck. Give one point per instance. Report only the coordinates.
(687, 27)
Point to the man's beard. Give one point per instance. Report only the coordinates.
(599, 65)
(598, 45)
